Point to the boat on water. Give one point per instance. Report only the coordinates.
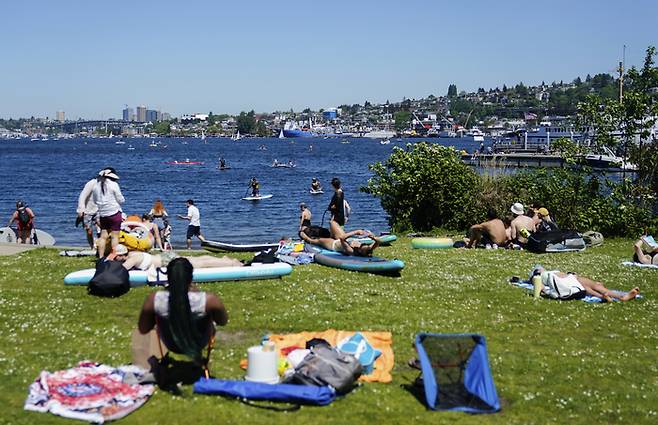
(536, 139)
(291, 129)
(153, 145)
(186, 162)
(380, 134)
(119, 142)
(281, 135)
(237, 136)
(476, 134)
(385, 142)
(131, 148)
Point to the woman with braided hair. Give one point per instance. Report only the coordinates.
(184, 318)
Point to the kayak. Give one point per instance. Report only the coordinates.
(210, 274)
(431, 243)
(256, 198)
(316, 192)
(375, 265)
(215, 246)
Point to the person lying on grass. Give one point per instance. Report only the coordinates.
(185, 318)
(642, 257)
(574, 281)
(341, 244)
(145, 261)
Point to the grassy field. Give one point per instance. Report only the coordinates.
(553, 362)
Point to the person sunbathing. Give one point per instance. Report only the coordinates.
(341, 244)
(135, 260)
(642, 257)
(591, 287)
(491, 232)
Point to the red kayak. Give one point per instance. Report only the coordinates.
(186, 162)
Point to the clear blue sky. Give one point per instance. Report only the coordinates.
(89, 58)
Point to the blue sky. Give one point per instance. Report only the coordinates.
(89, 58)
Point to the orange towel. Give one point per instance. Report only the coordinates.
(382, 341)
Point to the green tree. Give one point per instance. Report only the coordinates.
(162, 128)
(402, 120)
(246, 122)
(452, 90)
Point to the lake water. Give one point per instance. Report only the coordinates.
(50, 175)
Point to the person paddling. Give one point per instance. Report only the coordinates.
(254, 185)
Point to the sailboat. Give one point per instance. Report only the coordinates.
(236, 136)
(281, 136)
(203, 137)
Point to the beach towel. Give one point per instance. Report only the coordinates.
(647, 266)
(293, 253)
(91, 392)
(380, 341)
(588, 298)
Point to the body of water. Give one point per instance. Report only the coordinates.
(50, 175)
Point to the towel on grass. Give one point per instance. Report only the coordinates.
(648, 266)
(91, 392)
(381, 341)
(588, 298)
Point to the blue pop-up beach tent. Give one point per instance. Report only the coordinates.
(456, 373)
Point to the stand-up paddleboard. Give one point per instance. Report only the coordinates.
(76, 253)
(316, 192)
(211, 274)
(385, 240)
(7, 235)
(223, 168)
(39, 237)
(256, 198)
(215, 246)
(431, 243)
(338, 260)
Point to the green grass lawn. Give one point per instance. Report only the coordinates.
(553, 362)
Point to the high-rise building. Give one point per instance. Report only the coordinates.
(151, 115)
(60, 116)
(128, 114)
(141, 113)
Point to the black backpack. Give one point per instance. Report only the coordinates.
(110, 280)
(555, 241)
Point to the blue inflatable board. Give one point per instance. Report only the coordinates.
(374, 265)
(211, 274)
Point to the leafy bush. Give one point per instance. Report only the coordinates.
(425, 186)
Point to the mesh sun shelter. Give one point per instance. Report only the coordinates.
(456, 373)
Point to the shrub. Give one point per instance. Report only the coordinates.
(425, 186)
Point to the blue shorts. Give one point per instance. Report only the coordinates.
(193, 231)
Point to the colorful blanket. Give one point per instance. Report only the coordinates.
(588, 298)
(381, 341)
(91, 392)
(648, 266)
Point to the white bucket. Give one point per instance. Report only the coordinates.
(261, 365)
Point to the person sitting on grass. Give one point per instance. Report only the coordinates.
(136, 260)
(591, 287)
(185, 319)
(491, 232)
(642, 257)
(546, 223)
(522, 225)
(341, 244)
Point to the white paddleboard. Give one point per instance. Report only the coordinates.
(256, 198)
(43, 238)
(316, 192)
(7, 235)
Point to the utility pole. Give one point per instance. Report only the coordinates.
(621, 76)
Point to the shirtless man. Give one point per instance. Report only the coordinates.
(522, 225)
(491, 231)
(144, 261)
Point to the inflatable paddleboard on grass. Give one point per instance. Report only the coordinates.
(431, 243)
(338, 260)
(385, 240)
(211, 274)
(214, 246)
(256, 198)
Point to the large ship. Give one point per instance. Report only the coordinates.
(291, 129)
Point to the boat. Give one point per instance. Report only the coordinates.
(380, 134)
(236, 136)
(131, 148)
(476, 134)
(291, 129)
(607, 159)
(345, 142)
(536, 139)
(153, 145)
(186, 162)
(119, 142)
(281, 136)
(385, 142)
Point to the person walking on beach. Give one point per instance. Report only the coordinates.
(24, 218)
(87, 210)
(337, 204)
(108, 198)
(194, 228)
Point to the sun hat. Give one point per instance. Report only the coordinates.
(517, 208)
(542, 211)
(121, 250)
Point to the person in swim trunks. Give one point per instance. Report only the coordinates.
(135, 260)
(341, 244)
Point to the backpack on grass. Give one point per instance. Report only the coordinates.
(110, 280)
(556, 241)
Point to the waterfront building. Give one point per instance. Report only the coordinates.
(330, 114)
(151, 115)
(60, 116)
(141, 113)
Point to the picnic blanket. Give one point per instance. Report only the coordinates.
(382, 341)
(91, 392)
(648, 266)
(588, 298)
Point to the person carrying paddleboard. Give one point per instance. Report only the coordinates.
(24, 218)
(254, 185)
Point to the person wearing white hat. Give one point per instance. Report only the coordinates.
(108, 198)
(522, 225)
